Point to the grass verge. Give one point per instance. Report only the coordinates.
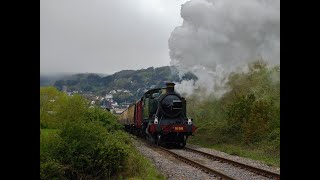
(260, 153)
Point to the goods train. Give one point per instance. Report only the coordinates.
(160, 117)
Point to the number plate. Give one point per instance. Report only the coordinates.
(178, 128)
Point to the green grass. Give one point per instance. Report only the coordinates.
(149, 170)
(139, 167)
(253, 153)
(46, 132)
(260, 153)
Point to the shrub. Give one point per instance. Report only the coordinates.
(50, 102)
(89, 151)
(87, 143)
(83, 150)
(248, 113)
(108, 120)
(50, 143)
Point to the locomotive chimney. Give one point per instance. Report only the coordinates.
(170, 87)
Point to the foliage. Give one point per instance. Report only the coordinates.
(139, 167)
(248, 115)
(89, 151)
(78, 142)
(50, 101)
(255, 103)
(108, 120)
(123, 96)
(49, 166)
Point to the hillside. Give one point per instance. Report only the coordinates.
(131, 84)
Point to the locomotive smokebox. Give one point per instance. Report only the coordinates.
(170, 87)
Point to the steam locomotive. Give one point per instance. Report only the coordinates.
(160, 117)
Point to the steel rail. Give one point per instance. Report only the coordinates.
(195, 164)
(259, 171)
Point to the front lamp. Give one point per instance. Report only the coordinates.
(156, 120)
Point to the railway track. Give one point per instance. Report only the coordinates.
(219, 173)
(259, 171)
(197, 165)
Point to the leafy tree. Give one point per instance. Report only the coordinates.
(248, 113)
(50, 102)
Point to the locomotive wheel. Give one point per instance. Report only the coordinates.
(151, 139)
(158, 140)
(181, 145)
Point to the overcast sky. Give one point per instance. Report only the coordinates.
(106, 36)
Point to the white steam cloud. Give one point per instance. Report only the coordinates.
(220, 36)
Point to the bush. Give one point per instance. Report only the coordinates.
(50, 103)
(108, 120)
(247, 115)
(89, 151)
(86, 143)
(73, 109)
(50, 143)
(83, 150)
(51, 169)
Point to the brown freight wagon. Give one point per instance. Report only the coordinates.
(131, 118)
(127, 117)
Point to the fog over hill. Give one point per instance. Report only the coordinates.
(133, 82)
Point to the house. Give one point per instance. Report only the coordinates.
(108, 96)
(113, 92)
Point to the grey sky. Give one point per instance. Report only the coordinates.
(105, 36)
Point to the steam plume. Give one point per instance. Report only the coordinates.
(221, 36)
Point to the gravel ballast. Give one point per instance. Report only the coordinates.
(224, 168)
(247, 161)
(172, 168)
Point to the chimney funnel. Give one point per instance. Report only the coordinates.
(170, 87)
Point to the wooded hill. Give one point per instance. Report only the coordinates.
(134, 81)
